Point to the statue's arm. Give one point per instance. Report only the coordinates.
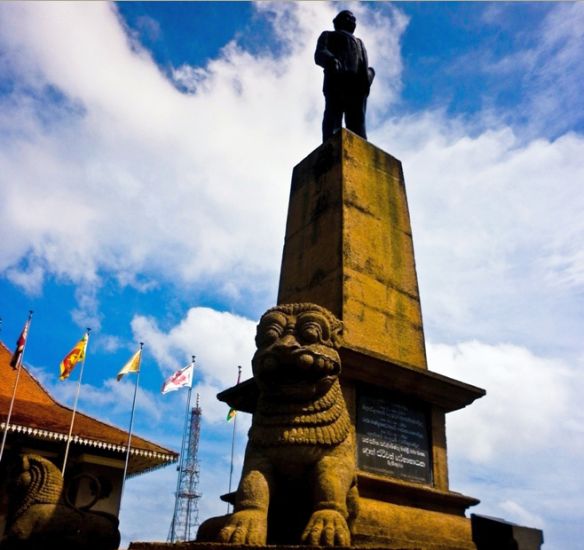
(369, 72)
(323, 56)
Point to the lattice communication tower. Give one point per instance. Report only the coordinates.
(186, 507)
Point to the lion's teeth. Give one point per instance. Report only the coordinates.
(305, 361)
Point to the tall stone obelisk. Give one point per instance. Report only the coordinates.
(349, 248)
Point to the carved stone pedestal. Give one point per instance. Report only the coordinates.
(349, 248)
(218, 546)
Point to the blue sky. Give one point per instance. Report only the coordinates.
(146, 151)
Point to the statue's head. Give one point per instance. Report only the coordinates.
(297, 350)
(345, 21)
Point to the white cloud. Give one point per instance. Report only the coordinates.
(221, 341)
(108, 342)
(30, 278)
(169, 196)
(497, 228)
(546, 67)
(87, 313)
(111, 402)
(558, 68)
(523, 516)
(517, 448)
(126, 175)
(528, 399)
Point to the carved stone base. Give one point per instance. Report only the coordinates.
(380, 525)
(387, 525)
(218, 546)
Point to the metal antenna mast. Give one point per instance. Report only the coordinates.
(186, 510)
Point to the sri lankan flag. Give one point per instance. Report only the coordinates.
(76, 355)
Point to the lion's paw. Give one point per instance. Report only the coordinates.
(245, 527)
(327, 528)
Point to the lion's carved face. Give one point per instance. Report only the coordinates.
(297, 350)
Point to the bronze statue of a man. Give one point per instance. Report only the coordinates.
(347, 76)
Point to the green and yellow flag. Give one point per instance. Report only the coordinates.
(232, 412)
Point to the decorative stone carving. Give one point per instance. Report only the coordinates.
(40, 518)
(301, 449)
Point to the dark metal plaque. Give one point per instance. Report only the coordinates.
(392, 437)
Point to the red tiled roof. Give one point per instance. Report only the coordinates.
(38, 415)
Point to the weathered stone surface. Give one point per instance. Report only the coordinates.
(358, 366)
(40, 518)
(194, 545)
(298, 480)
(349, 247)
(383, 523)
(220, 546)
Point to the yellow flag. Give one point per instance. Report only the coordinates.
(133, 365)
(73, 357)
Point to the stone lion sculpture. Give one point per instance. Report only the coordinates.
(40, 517)
(298, 482)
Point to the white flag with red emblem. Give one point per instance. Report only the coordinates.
(182, 378)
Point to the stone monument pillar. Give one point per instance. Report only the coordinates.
(349, 248)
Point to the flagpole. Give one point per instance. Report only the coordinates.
(182, 452)
(20, 360)
(75, 404)
(131, 425)
(233, 440)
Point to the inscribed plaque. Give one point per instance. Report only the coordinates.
(392, 437)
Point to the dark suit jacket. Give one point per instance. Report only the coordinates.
(352, 55)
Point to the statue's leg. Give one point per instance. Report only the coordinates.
(249, 523)
(333, 478)
(333, 115)
(355, 115)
